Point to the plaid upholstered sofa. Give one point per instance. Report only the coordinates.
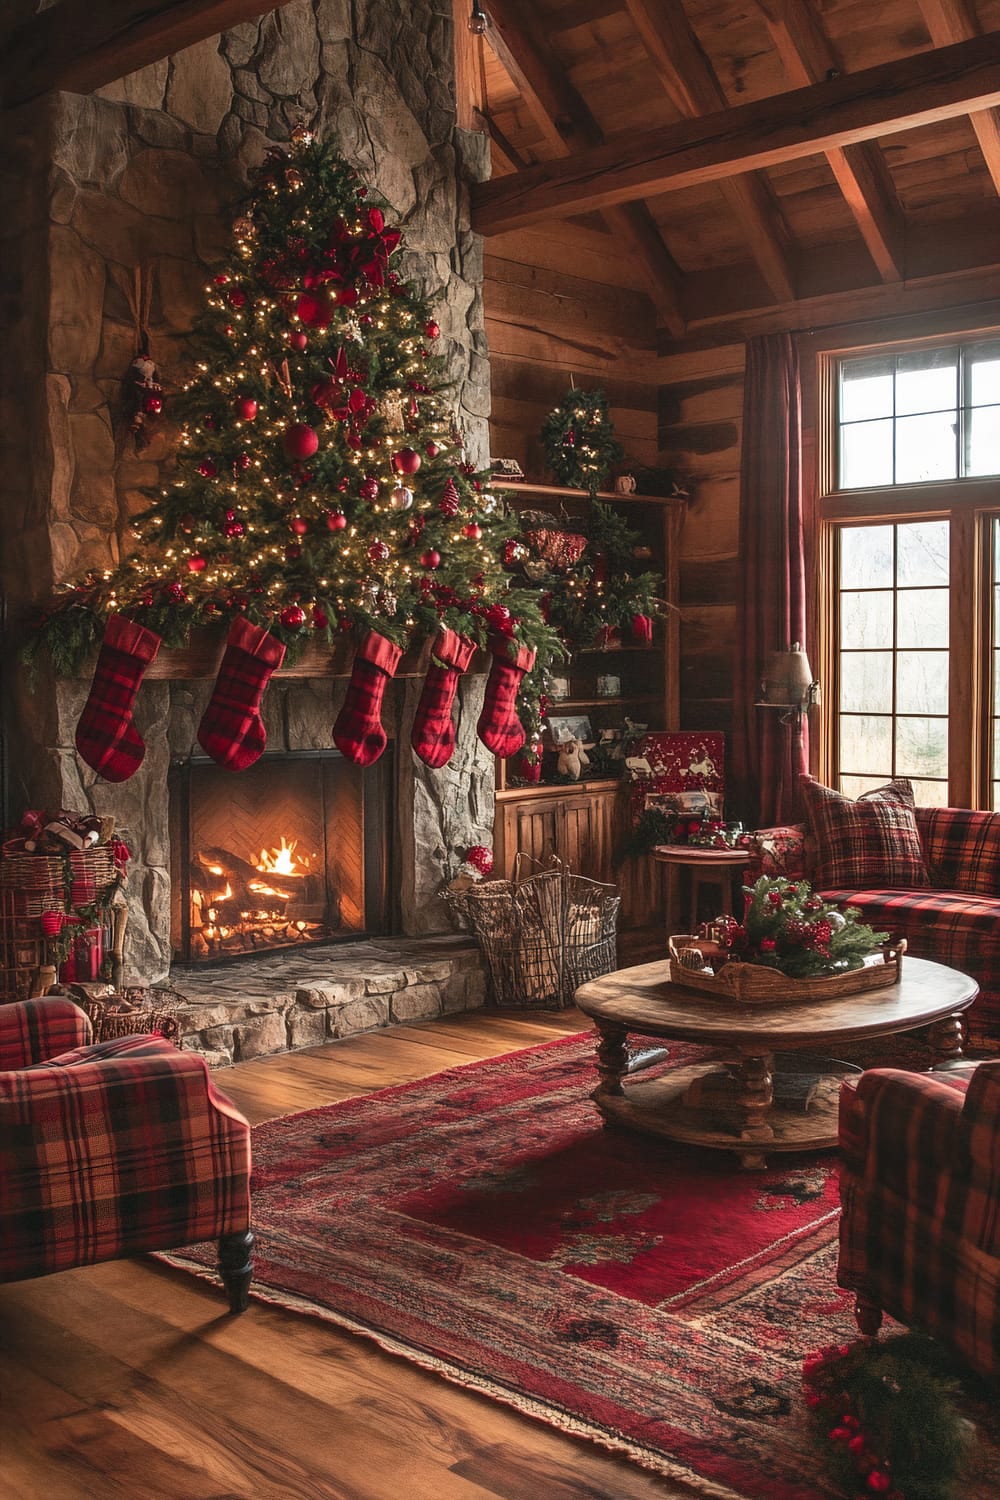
(111, 1150)
(954, 917)
(920, 1188)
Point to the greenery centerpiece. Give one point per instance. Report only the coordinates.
(789, 928)
(791, 945)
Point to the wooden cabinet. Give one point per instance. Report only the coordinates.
(584, 824)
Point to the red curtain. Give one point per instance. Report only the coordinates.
(767, 756)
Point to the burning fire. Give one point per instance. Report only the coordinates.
(282, 861)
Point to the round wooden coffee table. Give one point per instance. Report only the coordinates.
(762, 1095)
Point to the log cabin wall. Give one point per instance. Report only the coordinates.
(566, 306)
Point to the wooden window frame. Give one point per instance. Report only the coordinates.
(970, 505)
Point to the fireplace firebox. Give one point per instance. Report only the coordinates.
(294, 850)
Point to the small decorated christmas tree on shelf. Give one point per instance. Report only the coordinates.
(319, 489)
(579, 440)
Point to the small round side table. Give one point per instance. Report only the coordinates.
(718, 869)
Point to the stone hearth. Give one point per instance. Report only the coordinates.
(234, 1012)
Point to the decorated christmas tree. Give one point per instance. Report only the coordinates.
(319, 489)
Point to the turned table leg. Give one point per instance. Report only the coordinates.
(945, 1038)
(755, 1096)
(612, 1058)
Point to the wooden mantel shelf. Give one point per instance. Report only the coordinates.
(203, 656)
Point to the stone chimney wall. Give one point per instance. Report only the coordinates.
(142, 177)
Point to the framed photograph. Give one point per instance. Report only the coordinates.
(558, 688)
(609, 687)
(571, 727)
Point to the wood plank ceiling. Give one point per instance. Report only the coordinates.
(753, 158)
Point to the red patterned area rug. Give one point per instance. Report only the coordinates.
(483, 1223)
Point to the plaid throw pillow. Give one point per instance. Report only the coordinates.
(869, 844)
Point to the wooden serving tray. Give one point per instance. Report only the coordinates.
(753, 984)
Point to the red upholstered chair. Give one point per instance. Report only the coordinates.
(920, 1188)
(112, 1150)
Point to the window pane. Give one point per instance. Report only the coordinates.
(922, 747)
(866, 557)
(865, 455)
(866, 745)
(982, 375)
(866, 388)
(930, 793)
(982, 441)
(926, 447)
(922, 617)
(927, 380)
(866, 620)
(866, 682)
(923, 553)
(922, 682)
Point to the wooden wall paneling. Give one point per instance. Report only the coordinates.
(595, 253)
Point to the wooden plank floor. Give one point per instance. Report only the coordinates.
(126, 1381)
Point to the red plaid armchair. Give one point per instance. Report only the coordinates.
(920, 1188)
(112, 1150)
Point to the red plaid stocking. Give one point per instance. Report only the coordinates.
(433, 734)
(358, 731)
(106, 738)
(231, 730)
(499, 728)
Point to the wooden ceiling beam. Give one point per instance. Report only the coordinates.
(690, 81)
(884, 100)
(861, 173)
(564, 119)
(953, 21)
(81, 45)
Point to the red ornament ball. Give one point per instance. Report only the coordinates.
(222, 279)
(480, 858)
(335, 520)
(406, 461)
(233, 529)
(176, 593)
(430, 559)
(243, 462)
(369, 488)
(378, 552)
(246, 408)
(300, 441)
(293, 617)
(207, 468)
(153, 405)
(196, 564)
(432, 450)
(298, 340)
(236, 298)
(299, 525)
(472, 531)
(432, 329)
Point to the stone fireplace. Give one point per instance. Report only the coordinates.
(119, 202)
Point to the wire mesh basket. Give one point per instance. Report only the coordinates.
(544, 936)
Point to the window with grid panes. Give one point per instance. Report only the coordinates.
(914, 532)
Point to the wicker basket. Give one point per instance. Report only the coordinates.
(544, 936)
(46, 882)
(755, 984)
(116, 1014)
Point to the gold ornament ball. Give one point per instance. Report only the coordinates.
(244, 228)
(301, 135)
(294, 178)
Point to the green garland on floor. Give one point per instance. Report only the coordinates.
(885, 1417)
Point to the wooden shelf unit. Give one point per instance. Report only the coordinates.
(584, 823)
